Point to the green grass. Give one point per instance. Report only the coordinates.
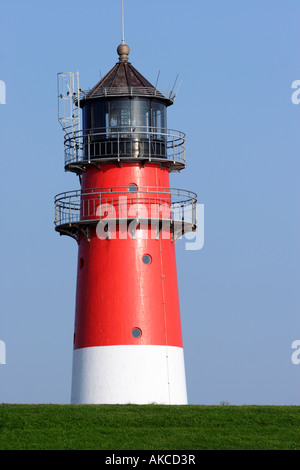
(153, 427)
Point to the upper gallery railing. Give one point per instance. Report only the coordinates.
(122, 143)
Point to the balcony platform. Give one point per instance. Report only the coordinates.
(161, 209)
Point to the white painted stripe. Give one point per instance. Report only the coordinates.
(129, 374)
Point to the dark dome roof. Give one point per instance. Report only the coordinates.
(124, 80)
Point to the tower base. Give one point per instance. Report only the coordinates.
(129, 375)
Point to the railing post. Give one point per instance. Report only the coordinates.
(70, 213)
(73, 146)
(89, 150)
(65, 151)
(56, 211)
(173, 148)
(194, 212)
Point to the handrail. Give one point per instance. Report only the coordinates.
(157, 131)
(131, 91)
(123, 142)
(83, 206)
(125, 189)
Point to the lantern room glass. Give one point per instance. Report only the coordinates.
(117, 115)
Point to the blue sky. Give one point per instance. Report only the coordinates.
(240, 293)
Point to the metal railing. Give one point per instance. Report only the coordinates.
(128, 91)
(125, 142)
(122, 203)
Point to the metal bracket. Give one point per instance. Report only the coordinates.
(74, 230)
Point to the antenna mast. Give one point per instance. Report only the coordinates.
(123, 33)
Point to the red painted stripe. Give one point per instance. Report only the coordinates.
(111, 175)
(116, 291)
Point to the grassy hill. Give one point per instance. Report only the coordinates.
(130, 427)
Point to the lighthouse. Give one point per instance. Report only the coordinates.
(126, 219)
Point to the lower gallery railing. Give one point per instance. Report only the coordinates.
(119, 203)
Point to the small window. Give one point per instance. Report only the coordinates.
(147, 259)
(81, 263)
(132, 188)
(136, 333)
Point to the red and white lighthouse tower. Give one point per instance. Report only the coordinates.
(126, 219)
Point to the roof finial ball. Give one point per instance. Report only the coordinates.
(123, 51)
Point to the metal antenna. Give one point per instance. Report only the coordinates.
(174, 83)
(157, 79)
(123, 33)
(176, 94)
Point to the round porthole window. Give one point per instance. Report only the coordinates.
(147, 259)
(136, 333)
(132, 188)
